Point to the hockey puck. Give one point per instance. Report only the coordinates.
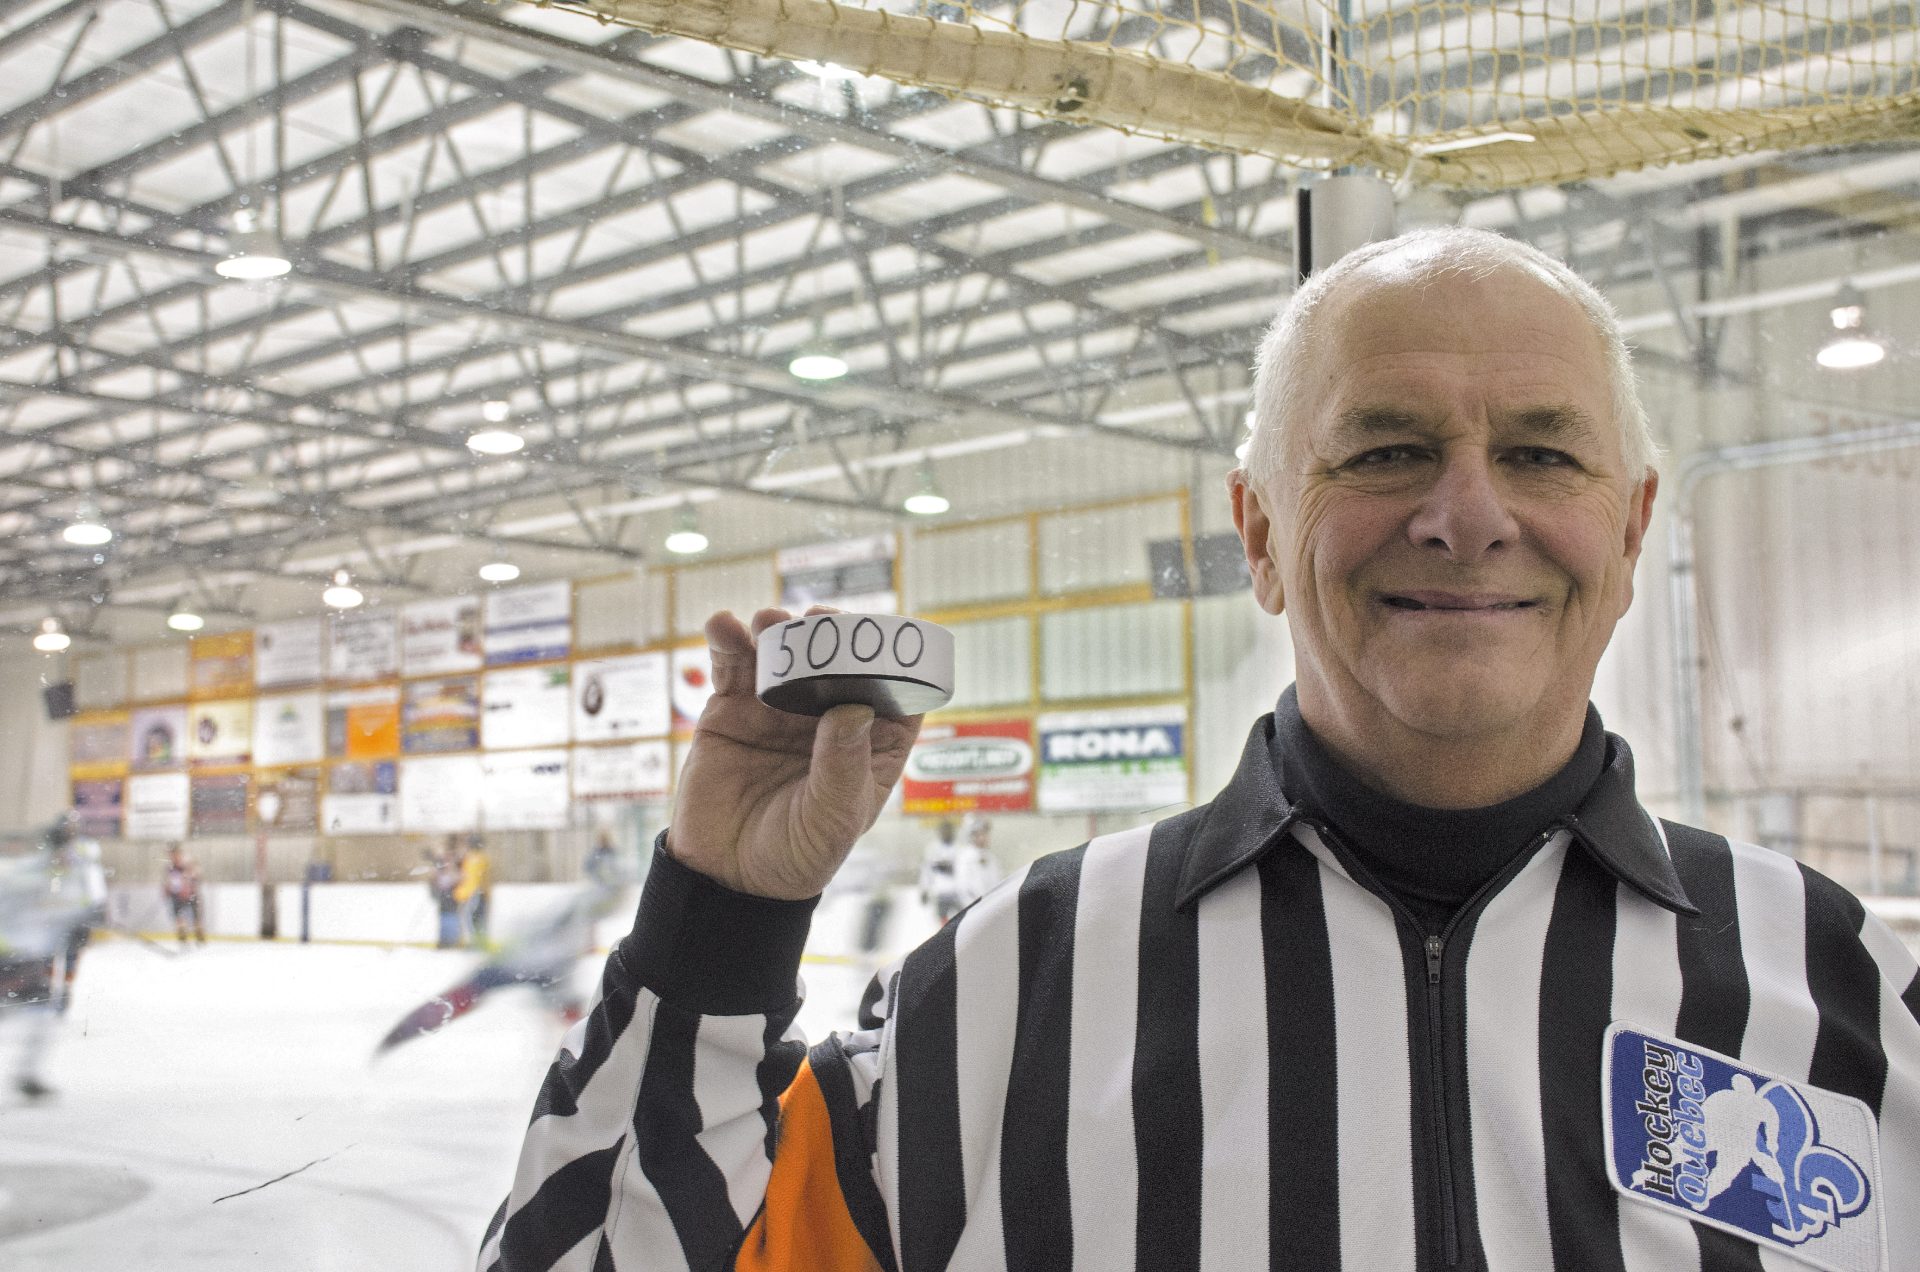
(898, 666)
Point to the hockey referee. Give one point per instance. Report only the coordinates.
(1424, 987)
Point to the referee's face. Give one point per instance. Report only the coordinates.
(1452, 533)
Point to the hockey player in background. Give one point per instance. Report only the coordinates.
(544, 957)
(36, 915)
(80, 881)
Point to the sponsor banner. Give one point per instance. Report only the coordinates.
(441, 793)
(523, 707)
(850, 574)
(438, 638)
(524, 790)
(363, 724)
(441, 715)
(97, 806)
(220, 664)
(961, 768)
(220, 732)
(528, 624)
(219, 804)
(157, 738)
(287, 800)
(97, 745)
(363, 647)
(289, 653)
(289, 728)
(156, 805)
(1129, 760)
(689, 685)
(633, 771)
(621, 698)
(1791, 1167)
(362, 799)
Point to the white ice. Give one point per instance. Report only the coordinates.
(184, 1080)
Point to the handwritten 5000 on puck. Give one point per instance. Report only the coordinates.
(898, 666)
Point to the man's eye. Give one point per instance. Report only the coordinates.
(1384, 456)
(1542, 457)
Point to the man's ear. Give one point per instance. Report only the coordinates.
(1639, 514)
(1256, 536)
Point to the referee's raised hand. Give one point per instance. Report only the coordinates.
(771, 803)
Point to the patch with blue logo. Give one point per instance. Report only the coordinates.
(1784, 1164)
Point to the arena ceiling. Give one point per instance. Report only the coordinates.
(626, 239)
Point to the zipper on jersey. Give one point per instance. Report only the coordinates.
(1440, 1023)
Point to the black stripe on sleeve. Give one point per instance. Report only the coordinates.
(666, 1124)
(933, 1190)
(779, 1061)
(851, 1163)
(1714, 994)
(569, 1205)
(569, 1074)
(1845, 984)
(603, 1257)
(493, 1226)
(1576, 999)
(1033, 1147)
(1166, 1069)
(1912, 996)
(1303, 1125)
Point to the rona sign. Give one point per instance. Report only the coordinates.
(1130, 760)
(961, 768)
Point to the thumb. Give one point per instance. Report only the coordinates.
(843, 755)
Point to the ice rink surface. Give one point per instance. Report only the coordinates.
(185, 1083)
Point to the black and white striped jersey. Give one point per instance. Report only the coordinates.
(1214, 1044)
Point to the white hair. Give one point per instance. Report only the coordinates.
(1431, 254)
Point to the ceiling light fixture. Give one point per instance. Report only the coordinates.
(86, 530)
(816, 362)
(686, 539)
(253, 254)
(342, 594)
(927, 501)
(495, 411)
(495, 441)
(183, 619)
(50, 639)
(1851, 345)
(499, 571)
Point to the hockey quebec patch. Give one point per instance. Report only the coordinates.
(1786, 1165)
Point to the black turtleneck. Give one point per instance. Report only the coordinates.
(1432, 859)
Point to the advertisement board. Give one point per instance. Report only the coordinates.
(621, 698)
(363, 646)
(156, 805)
(628, 771)
(289, 728)
(441, 715)
(218, 804)
(528, 624)
(220, 732)
(363, 724)
(689, 685)
(440, 637)
(524, 790)
(1128, 760)
(157, 738)
(97, 803)
(362, 799)
(289, 653)
(287, 800)
(523, 707)
(441, 793)
(97, 745)
(221, 664)
(961, 768)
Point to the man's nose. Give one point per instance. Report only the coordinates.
(1464, 511)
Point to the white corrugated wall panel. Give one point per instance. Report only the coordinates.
(1242, 659)
(740, 586)
(992, 663)
(1114, 651)
(1106, 547)
(966, 566)
(627, 610)
(100, 680)
(159, 671)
